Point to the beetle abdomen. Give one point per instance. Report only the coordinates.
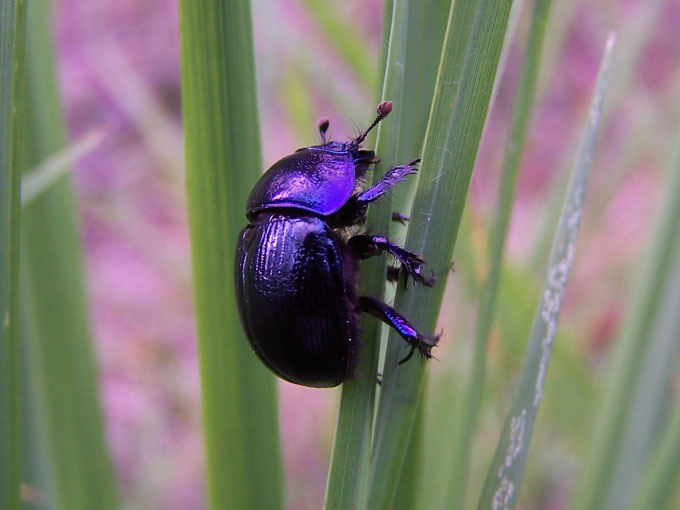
(291, 287)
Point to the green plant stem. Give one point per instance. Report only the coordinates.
(223, 162)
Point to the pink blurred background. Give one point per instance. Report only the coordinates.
(119, 69)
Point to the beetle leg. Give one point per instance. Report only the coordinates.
(365, 246)
(355, 208)
(391, 317)
(393, 177)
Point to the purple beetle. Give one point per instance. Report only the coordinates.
(297, 269)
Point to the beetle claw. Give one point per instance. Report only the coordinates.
(424, 345)
(413, 266)
(408, 356)
(400, 218)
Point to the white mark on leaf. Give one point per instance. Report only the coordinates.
(555, 286)
(515, 441)
(503, 495)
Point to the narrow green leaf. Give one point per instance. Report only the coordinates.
(12, 37)
(485, 316)
(60, 353)
(634, 36)
(412, 472)
(348, 476)
(639, 371)
(663, 470)
(469, 59)
(223, 160)
(424, 40)
(40, 178)
(648, 405)
(507, 469)
(345, 37)
(409, 82)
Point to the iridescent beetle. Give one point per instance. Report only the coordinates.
(296, 275)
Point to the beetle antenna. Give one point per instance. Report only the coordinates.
(384, 110)
(323, 128)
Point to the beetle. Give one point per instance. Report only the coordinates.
(297, 268)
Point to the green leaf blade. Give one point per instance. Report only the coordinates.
(12, 43)
(638, 365)
(409, 83)
(663, 469)
(469, 60)
(243, 467)
(60, 354)
(505, 475)
(485, 317)
(38, 179)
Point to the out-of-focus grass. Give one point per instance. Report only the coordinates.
(506, 472)
(345, 39)
(12, 65)
(634, 402)
(60, 356)
(39, 179)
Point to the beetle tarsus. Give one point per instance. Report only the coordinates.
(354, 209)
(387, 314)
(393, 177)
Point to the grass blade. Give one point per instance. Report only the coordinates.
(664, 468)
(60, 353)
(348, 476)
(507, 469)
(223, 159)
(474, 36)
(485, 316)
(12, 38)
(345, 37)
(409, 82)
(38, 179)
(649, 324)
(649, 399)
